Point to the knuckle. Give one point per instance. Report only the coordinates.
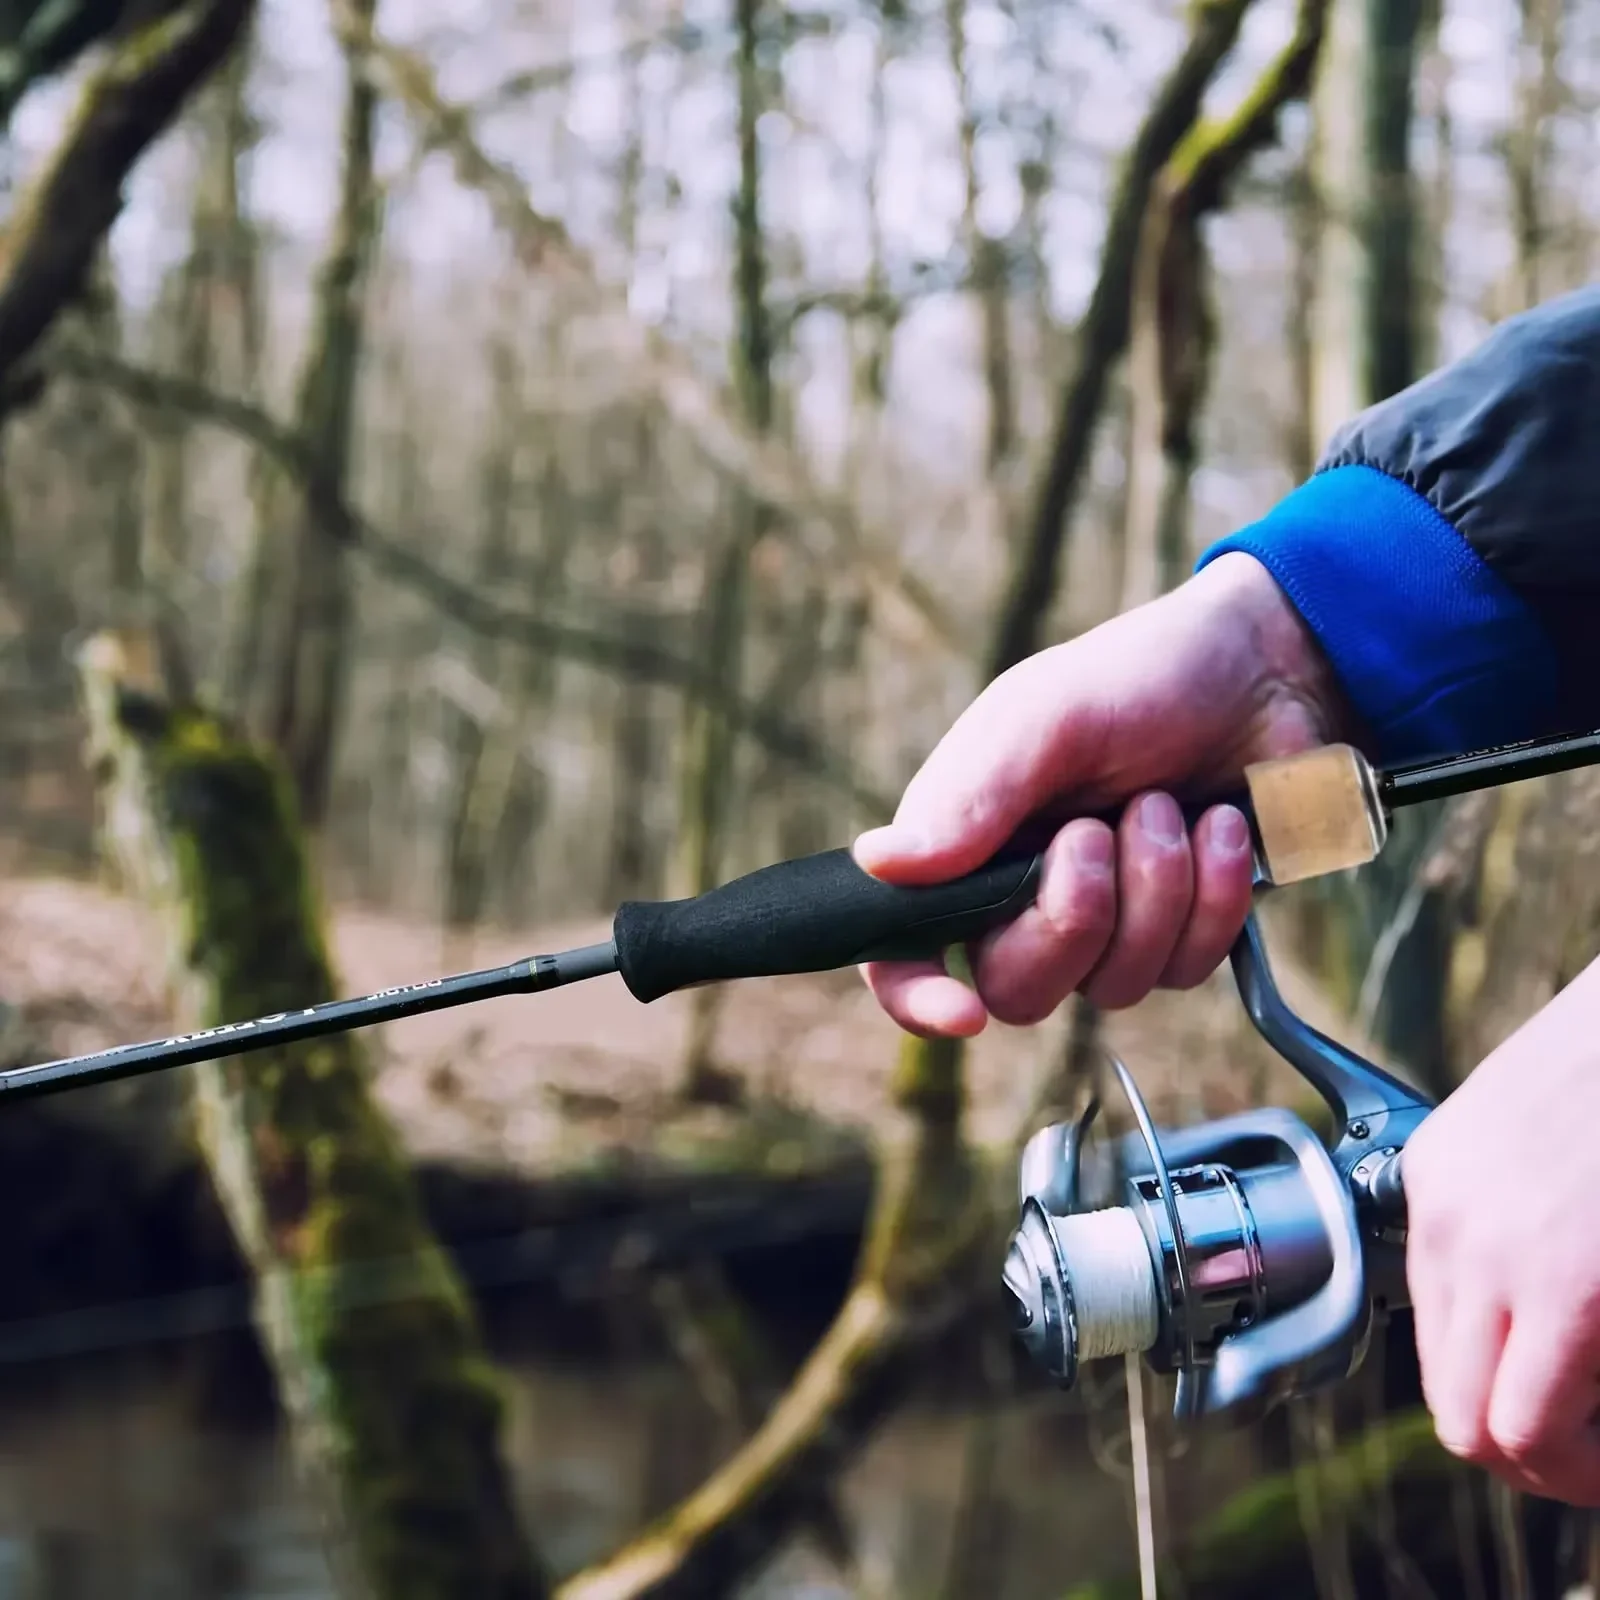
(1115, 991)
(1083, 925)
(1020, 1013)
(1467, 1442)
(1517, 1441)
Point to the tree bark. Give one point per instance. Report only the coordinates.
(311, 668)
(709, 771)
(1528, 152)
(1174, 326)
(57, 226)
(394, 1411)
(1365, 316)
(986, 260)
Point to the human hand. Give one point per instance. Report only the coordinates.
(1180, 694)
(1503, 1255)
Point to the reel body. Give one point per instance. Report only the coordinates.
(1244, 1255)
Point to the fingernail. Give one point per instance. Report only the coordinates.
(1093, 851)
(1230, 831)
(876, 843)
(1160, 818)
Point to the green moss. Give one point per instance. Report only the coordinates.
(1216, 147)
(929, 1079)
(413, 1411)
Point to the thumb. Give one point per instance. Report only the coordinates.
(1013, 750)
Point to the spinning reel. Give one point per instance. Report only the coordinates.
(1243, 1254)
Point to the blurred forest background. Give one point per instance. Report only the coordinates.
(461, 471)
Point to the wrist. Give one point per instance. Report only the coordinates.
(1290, 664)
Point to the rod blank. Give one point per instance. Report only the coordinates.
(529, 976)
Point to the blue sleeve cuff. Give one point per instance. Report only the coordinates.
(1435, 652)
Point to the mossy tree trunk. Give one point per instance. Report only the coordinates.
(393, 1410)
(1174, 328)
(1102, 335)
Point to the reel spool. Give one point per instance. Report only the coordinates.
(1246, 1256)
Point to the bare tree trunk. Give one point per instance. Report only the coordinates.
(312, 653)
(1300, 442)
(470, 828)
(1391, 303)
(121, 465)
(502, 804)
(709, 744)
(629, 870)
(1436, 189)
(1365, 337)
(394, 1412)
(986, 259)
(1529, 145)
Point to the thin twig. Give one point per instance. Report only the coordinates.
(626, 650)
(767, 467)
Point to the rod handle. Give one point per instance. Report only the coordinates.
(816, 913)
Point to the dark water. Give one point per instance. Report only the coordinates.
(116, 1480)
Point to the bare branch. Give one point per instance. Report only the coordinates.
(1103, 332)
(59, 224)
(765, 466)
(924, 1267)
(621, 651)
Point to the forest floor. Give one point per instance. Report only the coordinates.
(550, 1082)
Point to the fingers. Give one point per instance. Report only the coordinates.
(1024, 971)
(1223, 870)
(925, 1000)
(1515, 1393)
(1540, 1411)
(1459, 1363)
(1116, 914)
(1000, 761)
(1155, 892)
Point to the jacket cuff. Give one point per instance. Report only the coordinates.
(1436, 654)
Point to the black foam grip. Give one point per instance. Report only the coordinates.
(814, 914)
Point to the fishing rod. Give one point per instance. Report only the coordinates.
(1323, 811)
(1247, 1255)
